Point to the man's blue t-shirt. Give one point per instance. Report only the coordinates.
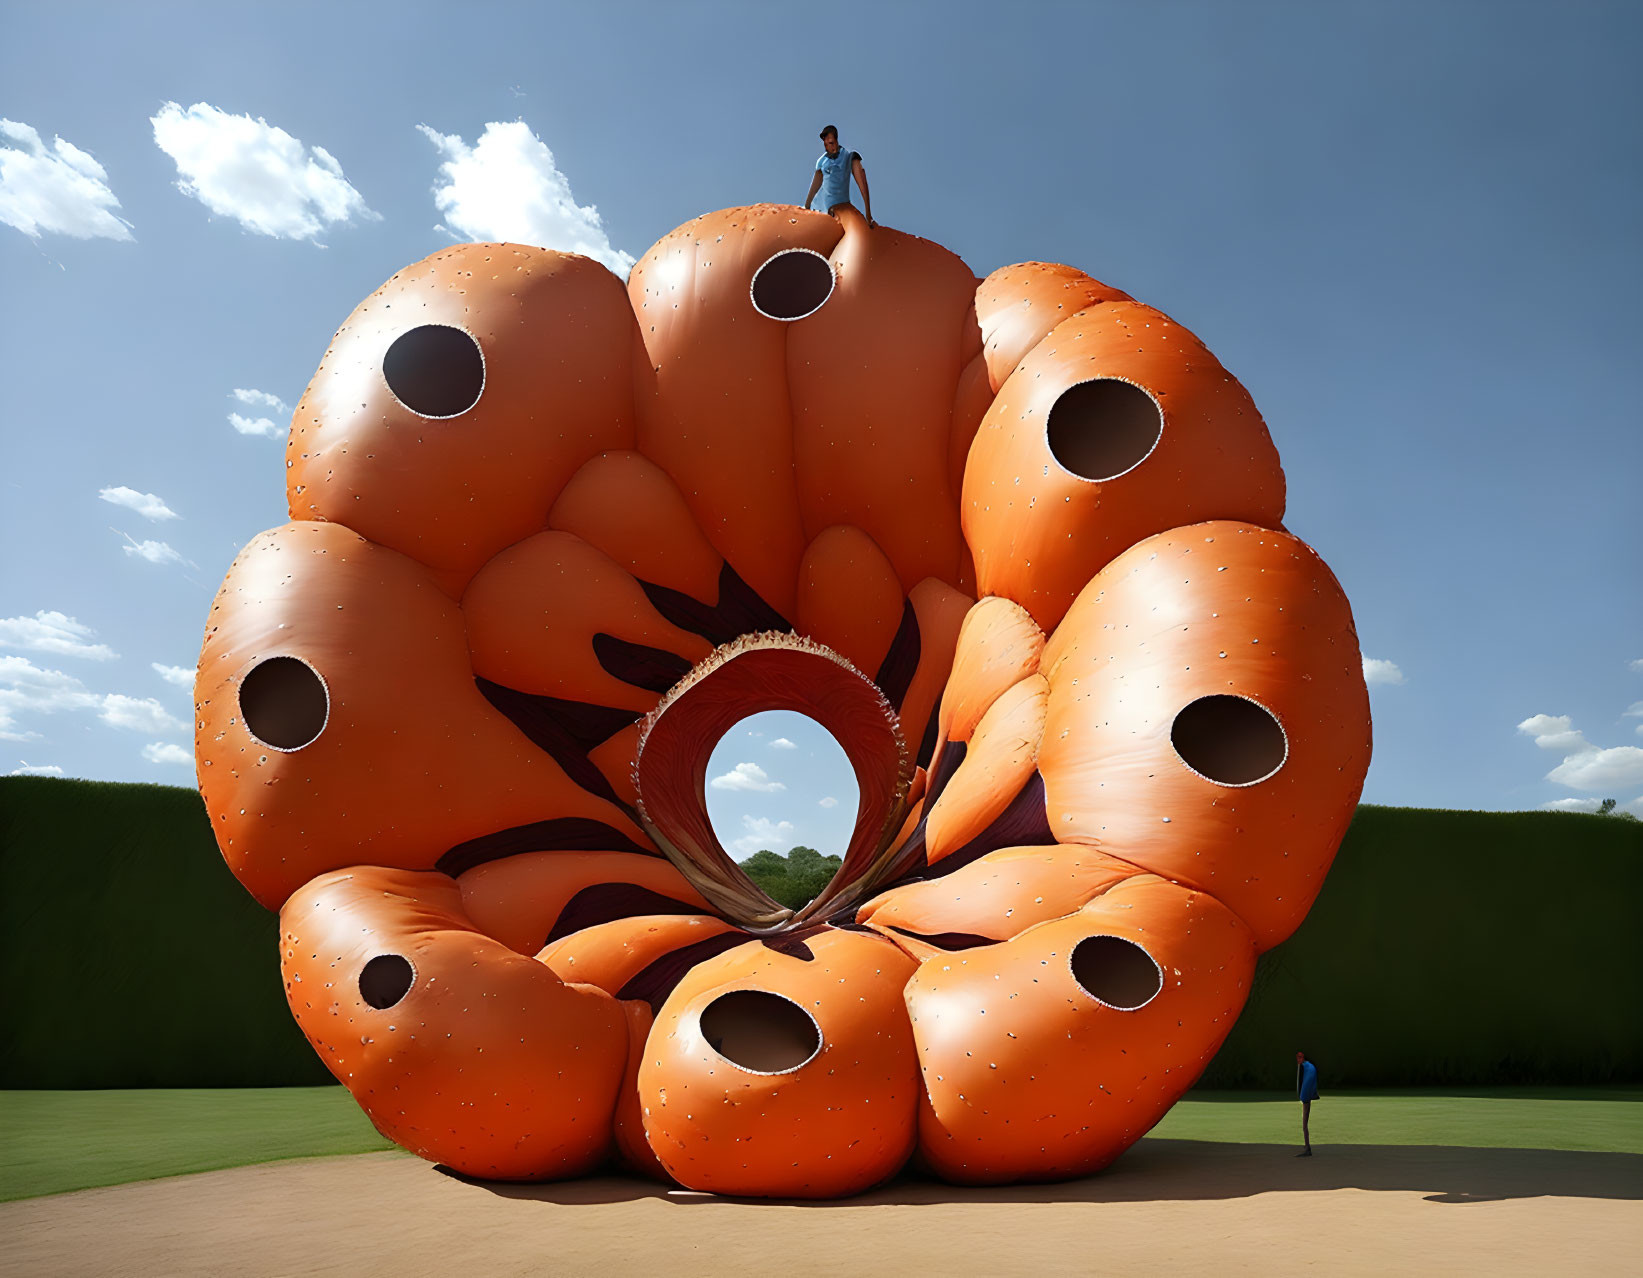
(1309, 1081)
(835, 171)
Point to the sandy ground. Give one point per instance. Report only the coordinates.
(1167, 1206)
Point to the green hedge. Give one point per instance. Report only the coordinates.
(130, 955)
(1455, 948)
(1446, 949)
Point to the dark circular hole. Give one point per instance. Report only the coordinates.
(792, 284)
(761, 1032)
(384, 980)
(284, 703)
(435, 370)
(1100, 429)
(1118, 972)
(1229, 739)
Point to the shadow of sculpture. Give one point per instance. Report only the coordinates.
(1160, 1170)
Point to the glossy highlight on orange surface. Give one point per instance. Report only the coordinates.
(1016, 542)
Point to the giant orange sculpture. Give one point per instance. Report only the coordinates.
(1016, 543)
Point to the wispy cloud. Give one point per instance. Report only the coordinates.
(746, 776)
(36, 770)
(1636, 667)
(62, 190)
(256, 173)
(28, 689)
(507, 187)
(155, 552)
(1376, 670)
(264, 426)
(180, 676)
(55, 633)
(762, 833)
(261, 399)
(782, 743)
(148, 505)
(828, 802)
(165, 752)
(138, 714)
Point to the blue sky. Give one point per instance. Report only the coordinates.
(1411, 230)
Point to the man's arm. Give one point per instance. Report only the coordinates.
(815, 185)
(861, 181)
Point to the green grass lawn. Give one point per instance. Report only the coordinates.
(1606, 1119)
(53, 1142)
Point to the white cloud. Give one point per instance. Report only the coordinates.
(828, 802)
(746, 776)
(165, 752)
(36, 770)
(64, 190)
(265, 426)
(156, 552)
(181, 676)
(28, 688)
(1555, 732)
(1572, 805)
(256, 425)
(256, 173)
(53, 632)
(782, 743)
(1633, 711)
(147, 505)
(1617, 768)
(507, 187)
(762, 833)
(261, 399)
(1585, 766)
(1636, 666)
(1635, 807)
(1375, 670)
(138, 714)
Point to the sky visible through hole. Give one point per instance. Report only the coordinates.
(779, 780)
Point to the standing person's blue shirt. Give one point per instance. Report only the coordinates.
(831, 178)
(835, 171)
(1306, 1085)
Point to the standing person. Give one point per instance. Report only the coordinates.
(1306, 1086)
(834, 170)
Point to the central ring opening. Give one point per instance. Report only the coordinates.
(672, 773)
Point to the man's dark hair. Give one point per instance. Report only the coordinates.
(830, 130)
